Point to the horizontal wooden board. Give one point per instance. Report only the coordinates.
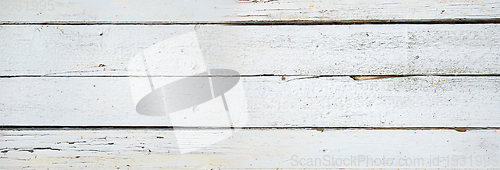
(199, 11)
(270, 101)
(97, 50)
(249, 148)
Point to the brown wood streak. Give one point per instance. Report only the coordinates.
(372, 77)
(269, 22)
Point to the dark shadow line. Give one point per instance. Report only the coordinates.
(27, 127)
(270, 22)
(258, 75)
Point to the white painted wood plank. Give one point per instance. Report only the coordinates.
(259, 101)
(88, 11)
(250, 50)
(250, 148)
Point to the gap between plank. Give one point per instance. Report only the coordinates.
(269, 22)
(354, 76)
(16, 127)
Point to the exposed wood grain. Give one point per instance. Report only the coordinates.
(196, 11)
(249, 148)
(251, 50)
(267, 101)
(371, 77)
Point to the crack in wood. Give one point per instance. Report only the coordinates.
(270, 22)
(355, 77)
(372, 77)
(63, 128)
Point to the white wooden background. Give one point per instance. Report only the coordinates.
(68, 83)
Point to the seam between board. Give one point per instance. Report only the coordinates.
(268, 22)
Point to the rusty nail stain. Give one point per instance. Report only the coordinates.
(283, 78)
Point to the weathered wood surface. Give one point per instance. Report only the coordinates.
(43, 50)
(81, 64)
(250, 148)
(202, 11)
(271, 101)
